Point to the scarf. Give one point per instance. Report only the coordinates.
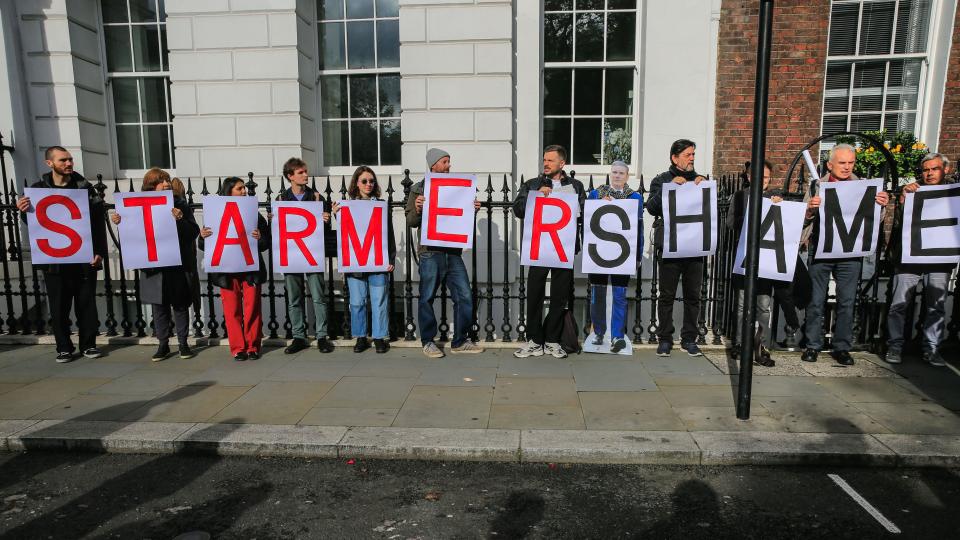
(610, 191)
(686, 175)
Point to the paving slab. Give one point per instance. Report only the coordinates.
(783, 386)
(349, 416)
(678, 364)
(32, 370)
(28, 400)
(141, 384)
(431, 444)
(188, 404)
(446, 407)
(93, 407)
(870, 390)
(136, 437)
(368, 393)
(700, 396)
(695, 380)
(102, 369)
(311, 369)
(533, 391)
(232, 373)
(538, 367)
(458, 375)
(913, 418)
(9, 387)
(759, 448)
(612, 376)
(819, 415)
(273, 402)
(388, 367)
(640, 411)
(725, 419)
(924, 450)
(263, 440)
(942, 391)
(536, 417)
(635, 447)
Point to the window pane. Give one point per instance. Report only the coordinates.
(621, 36)
(586, 141)
(330, 9)
(336, 150)
(333, 96)
(617, 140)
(589, 4)
(360, 45)
(163, 49)
(118, 48)
(619, 92)
(146, 48)
(558, 37)
(558, 5)
(843, 29)
(556, 131)
(622, 4)
(125, 102)
(388, 43)
(363, 96)
(388, 8)
(834, 124)
(589, 37)
(331, 46)
(143, 11)
(158, 146)
(913, 23)
(390, 142)
(556, 91)
(865, 122)
(900, 122)
(162, 10)
(837, 92)
(114, 11)
(588, 91)
(154, 99)
(128, 147)
(389, 95)
(876, 27)
(903, 84)
(364, 143)
(868, 86)
(359, 9)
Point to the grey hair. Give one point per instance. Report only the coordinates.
(841, 146)
(935, 155)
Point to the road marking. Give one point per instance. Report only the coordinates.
(887, 524)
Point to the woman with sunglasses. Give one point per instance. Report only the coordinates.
(240, 292)
(176, 287)
(372, 288)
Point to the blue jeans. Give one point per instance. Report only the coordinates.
(934, 294)
(375, 286)
(847, 274)
(437, 267)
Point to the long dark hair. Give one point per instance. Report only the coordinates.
(354, 190)
(228, 184)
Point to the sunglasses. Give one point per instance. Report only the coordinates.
(365, 182)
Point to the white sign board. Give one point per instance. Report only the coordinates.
(849, 218)
(931, 225)
(550, 230)
(448, 212)
(689, 219)
(148, 230)
(231, 248)
(362, 236)
(58, 222)
(297, 231)
(780, 229)
(610, 236)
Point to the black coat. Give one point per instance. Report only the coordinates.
(152, 279)
(254, 278)
(98, 219)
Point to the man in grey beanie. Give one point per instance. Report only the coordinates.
(440, 264)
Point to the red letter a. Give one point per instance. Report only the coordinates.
(231, 215)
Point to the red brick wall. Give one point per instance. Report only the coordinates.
(950, 119)
(796, 81)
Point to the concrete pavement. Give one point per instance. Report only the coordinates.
(492, 406)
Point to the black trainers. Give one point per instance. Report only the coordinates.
(186, 352)
(692, 349)
(163, 351)
(295, 347)
(809, 355)
(381, 345)
(893, 356)
(618, 345)
(253, 355)
(92, 352)
(324, 345)
(598, 340)
(664, 348)
(240, 357)
(842, 357)
(362, 345)
(65, 357)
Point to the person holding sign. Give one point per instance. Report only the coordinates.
(935, 278)
(76, 283)
(672, 270)
(369, 288)
(240, 291)
(441, 264)
(616, 189)
(544, 333)
(846, 270)
(176, 287)
(295, 171)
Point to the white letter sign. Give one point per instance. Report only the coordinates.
(931, 225)
(550, 230)
(362, 236)
(780, 230)
(148, 230)
(849, 218)
(448, 210)
(231, 248)
(610, 230)
(689, 219)
(297, 237)
(59, 225)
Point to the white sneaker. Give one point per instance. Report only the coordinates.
(468, 347)
(530, 349)
(555, 350)
(430, 350)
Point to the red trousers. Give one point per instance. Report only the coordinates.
(241, 310)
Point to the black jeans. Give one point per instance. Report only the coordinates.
(74, 285)
(690, 269)
(540, 330)
(161, 319)
(783, 292)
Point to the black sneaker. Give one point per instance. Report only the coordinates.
(253, 355)
(618, 345)
(298, 345)
(92, 352)
(842, 357)
(893, 356)
(186, 352)
(934, 359)
(381, 345)
(809, 355)
(163, 351)
(240, 357)
(324, 345)
(598, 340)
(691, 348)
(664, 348)
(65, 357)
(362, 345)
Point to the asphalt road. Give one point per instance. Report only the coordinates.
(81, 495)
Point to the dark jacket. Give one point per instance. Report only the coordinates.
(534, 184)
(98, 219)
(415, 218)
(310, 194)
(152, 279)
(254, 278)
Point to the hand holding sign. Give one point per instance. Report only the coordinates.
(931, 225)
(781, 226)
(232, 224)
(366, 220)
(556, 218)
(448, 210)
(849, 218)
(298, 237)
(148, 230)
(610, 231)
(690, 211)
(58, 221)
